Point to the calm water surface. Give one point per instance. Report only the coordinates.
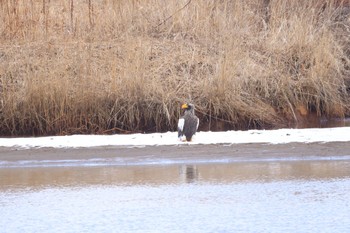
(280, 196)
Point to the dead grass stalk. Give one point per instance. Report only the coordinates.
(111, 66)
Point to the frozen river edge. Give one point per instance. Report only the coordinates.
(175, 154)
(165, 148)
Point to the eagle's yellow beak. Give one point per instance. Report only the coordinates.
(184, 106)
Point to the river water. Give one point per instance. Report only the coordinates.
(265, 196)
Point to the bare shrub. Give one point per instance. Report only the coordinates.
(126, 66)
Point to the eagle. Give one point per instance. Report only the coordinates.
(188, 123)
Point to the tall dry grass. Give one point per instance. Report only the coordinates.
(105, 66)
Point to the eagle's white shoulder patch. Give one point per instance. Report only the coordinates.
(180, 124)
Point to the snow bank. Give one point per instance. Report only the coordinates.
(170, 138)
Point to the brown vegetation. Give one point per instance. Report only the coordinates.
(107, 66)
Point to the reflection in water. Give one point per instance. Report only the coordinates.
(303, 196)
(172, 174)
(189, 173)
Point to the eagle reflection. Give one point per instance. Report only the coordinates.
(189, 173)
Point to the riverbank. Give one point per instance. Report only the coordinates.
(176, 154)
(105, 67)
(165, 148)
(278, 136)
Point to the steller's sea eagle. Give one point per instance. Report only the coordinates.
(188, 123)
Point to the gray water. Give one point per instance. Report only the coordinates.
(268, 196)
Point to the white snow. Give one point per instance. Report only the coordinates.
(340, 134)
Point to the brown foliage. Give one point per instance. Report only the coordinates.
(126, 66)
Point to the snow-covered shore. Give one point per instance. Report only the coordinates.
(341, 134)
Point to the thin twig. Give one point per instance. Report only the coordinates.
(119, 129)
(216, 118)
(164, 21)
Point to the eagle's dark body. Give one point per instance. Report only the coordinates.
(188, 123)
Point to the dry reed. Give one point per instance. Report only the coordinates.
(111, 66)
